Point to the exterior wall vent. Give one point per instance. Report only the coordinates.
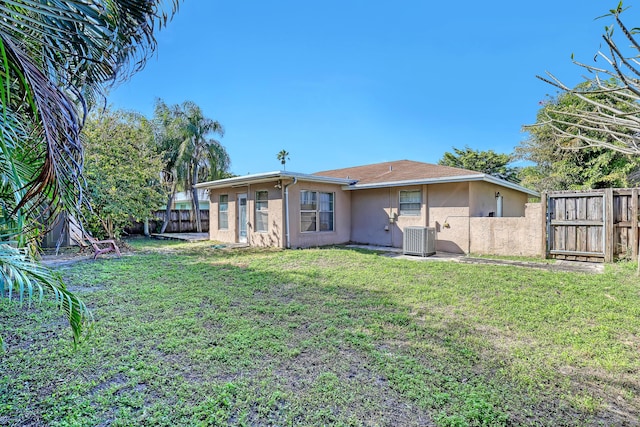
(419, 241)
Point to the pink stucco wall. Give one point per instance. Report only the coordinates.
(510, 235)
(453, 207)
(376, 219)
(449, 214)
(482, 200)
(273, 237)
(368, 216)
(342, 218)
(215, 233)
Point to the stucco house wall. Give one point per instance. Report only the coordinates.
(215, 232)
(449, 214)
(274, 235)
(367, 204)
(376, 219)
(509, 235)
(482, 200)
(342, 218)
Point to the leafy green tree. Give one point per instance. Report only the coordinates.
(55, 58)
(563, 163)
(488, 162)
(191, 155)
(283, 156)
(122, 169)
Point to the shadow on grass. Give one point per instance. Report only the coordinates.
(255, 337)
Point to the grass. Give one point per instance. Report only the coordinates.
(186, 334)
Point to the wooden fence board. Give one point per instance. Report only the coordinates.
(592, 225)
(181, 221)
(581, 238)
(634, 224)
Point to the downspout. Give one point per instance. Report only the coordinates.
(391, 217)
(248, 214)
(286, 211)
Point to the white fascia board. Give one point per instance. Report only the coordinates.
(270, 176)
(511, 185)
(444, 180)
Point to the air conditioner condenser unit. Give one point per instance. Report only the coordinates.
(419, 241)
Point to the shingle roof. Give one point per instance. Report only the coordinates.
(399, 170)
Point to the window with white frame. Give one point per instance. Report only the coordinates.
(316, 211)
(262, 211)
(410, 202)
(223, 212)
(325, 210)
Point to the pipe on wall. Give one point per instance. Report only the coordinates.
(286, 211)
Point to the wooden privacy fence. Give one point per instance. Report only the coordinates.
(592, 225)
(181, 221)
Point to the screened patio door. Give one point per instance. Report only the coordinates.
(242, 218)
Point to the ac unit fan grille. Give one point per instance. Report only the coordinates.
(419, 241)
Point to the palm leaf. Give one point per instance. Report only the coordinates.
(23, 276)
(56, 57)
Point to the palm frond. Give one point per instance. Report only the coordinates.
(21, 277)
(56, 57)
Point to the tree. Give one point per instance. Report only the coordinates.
(283, 156)
(55, 58)
(604, 124)
(190, 154)
(488, 162)
(613, 121)
(122, 169)
(559, 166)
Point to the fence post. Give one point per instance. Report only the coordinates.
(634, 224)
(609, 233)
(544, 250)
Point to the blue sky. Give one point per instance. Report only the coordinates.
(341, 83)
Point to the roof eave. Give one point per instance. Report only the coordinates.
(511, 185)
(269, 176)
(444, 180)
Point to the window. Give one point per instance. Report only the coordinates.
(223, 212)
(316, 211)
(326, 211)
(308, 211)
(262, 211)
(410, 202)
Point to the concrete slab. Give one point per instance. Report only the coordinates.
(187, 237)
(392, 252)
(560, 265)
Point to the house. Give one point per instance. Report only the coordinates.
(369, 204)
(182, 201)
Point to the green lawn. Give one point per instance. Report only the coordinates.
(192, 335)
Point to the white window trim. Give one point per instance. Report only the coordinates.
(317, 211)
(226, 212)
(261, 211)
(419, 213)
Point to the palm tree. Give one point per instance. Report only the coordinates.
(283, 156)
(191, 155)
(55, 59)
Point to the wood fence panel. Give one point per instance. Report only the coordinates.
(593, 225)
(576, 224)
(634, 224)
(625, 224)
(180, 221)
